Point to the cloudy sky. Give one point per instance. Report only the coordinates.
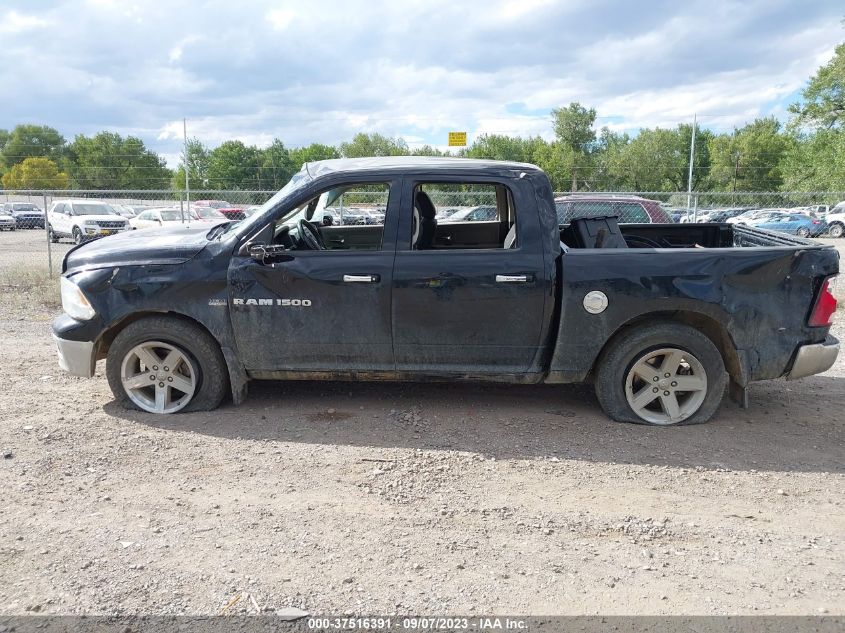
(320, 71)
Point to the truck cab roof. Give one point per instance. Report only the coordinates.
(321, 168)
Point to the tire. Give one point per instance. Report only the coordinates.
(616, 379)
(204, 363)
(835, 230)
(803, 232)
(76, 234)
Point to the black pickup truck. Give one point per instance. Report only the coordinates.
(662, 318)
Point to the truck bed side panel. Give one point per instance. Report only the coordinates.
(760, 296)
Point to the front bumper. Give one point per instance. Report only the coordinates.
(814, 359)
(76, 357)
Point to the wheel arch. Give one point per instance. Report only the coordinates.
(707, 325)
(238, 378)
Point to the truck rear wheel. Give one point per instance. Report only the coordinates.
(835, 230)
(661, 374)
(164, 365)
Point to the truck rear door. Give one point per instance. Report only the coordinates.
(468, 297)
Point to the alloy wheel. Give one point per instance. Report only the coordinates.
(158, 377)
(666, 386)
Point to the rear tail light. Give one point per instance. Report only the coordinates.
(824, 307)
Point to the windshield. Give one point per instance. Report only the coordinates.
(92, 209)
(24, 207)
(217, 204)
(299, 181)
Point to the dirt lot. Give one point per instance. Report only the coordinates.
(424, 499)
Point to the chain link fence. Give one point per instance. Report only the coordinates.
(29, 245)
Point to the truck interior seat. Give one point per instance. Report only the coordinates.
(425, 223)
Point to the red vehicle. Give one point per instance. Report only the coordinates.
(230, 211)
(629, 209)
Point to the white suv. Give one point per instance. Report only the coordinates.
(83, 220)
(836, 220)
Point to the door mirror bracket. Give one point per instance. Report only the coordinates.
(262, 252)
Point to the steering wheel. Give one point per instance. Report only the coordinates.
(310, 236)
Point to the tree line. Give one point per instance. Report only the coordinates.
(805, 154)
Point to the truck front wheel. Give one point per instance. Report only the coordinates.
(662, 374)
(165, 365)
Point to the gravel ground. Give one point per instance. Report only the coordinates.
(424, 499)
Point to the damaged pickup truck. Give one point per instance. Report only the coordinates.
(662, 318)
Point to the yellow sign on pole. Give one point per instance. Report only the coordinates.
(457, 139)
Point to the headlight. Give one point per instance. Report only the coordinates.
(74, 302)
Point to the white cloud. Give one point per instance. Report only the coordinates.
(280, 19)
(323, 71)
(518, 8)
(13, 22)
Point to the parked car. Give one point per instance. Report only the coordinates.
(7, 222)
(751, 215)
(27, 215)
(835, 219)
(629, 209)
(83, 220)
(123, 210)
(722, 215)
(165, 216)
(208, 214)
(445, 212)
(193, 315)
(230, 211)
(482, 213)
(794, 223)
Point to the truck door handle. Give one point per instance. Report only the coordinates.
(513, 279)
(361, 279)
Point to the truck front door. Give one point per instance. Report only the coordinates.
(468, 297)
(319, 310)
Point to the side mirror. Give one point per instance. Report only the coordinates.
(328, 220)
(157, 220)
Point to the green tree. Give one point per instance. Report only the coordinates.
(502, 147)
(373, 145)
(749, 159)
(198, 157)
(824, 96)
(609, 146)
(815, 162)
(314, 152)
(26, 141)
(427, 150)
(649, 161)
(234, 165)
(558, 161)
(275, 166)
(109, 161)
(573, 127)
(35, 173)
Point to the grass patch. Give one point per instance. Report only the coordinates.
(28, 287)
